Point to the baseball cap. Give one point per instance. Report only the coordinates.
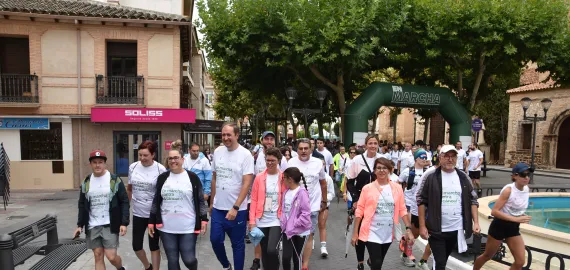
(446, 148)
(521, 167)
(267, 133)
(421, 153)
(97, 154)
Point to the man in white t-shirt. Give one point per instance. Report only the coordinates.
(406, 158)
(447, 208)
(315, 177)
(329, 167)
(461, 157)
(474, 162)
(232, 177)
(103, 211)
(200, 165)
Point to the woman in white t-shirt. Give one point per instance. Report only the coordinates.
(179, 212)
(509, 212)
(141, 189)
(265, 210)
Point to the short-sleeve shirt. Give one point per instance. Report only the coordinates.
(474, 160)
(406, 160)
(461, 154)
(260, 164)
(313, 172)
(451, 219)
(98, 195)
(143, 181)
(230, 168)
(328, 159)
(177, 208)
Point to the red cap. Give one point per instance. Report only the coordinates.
(97, 154)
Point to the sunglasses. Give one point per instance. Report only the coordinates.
(524, 174)
(353, 152)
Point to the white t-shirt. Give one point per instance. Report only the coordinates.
(395, 157)
(406, 160)
(99, 198)
(394, 177)
(328, 158)
(474, 160)
(313, 171)
(517, 203)
(410, 194)
(429, 155)
(271, 204)
(230, 168)
(451, 219)
(143, 181)
(260, 164)
(461, 154)
(177, 209)
(294, 154)
(382, 225)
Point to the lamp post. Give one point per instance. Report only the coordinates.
(292, 94)
(416, 116)
(545, 104)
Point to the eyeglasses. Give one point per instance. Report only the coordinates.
(448, 157)
(173, 158)
(523, 174)
(381, 168)
(270, 161)
(303, 148)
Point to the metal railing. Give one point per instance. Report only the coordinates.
(119, 90)
(19, 88)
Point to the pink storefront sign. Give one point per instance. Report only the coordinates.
(143, 115)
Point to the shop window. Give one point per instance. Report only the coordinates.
(42, 144)
(526, 136)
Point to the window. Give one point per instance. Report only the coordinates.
(393, 120)
(42, 144)
(526, 136)
(122, 69)
(209, 98)
(203, 105)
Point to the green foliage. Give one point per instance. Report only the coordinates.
(301, 134)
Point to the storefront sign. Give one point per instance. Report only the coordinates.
(167, 145)
(205, 126)
(142, 115)
(24, 123)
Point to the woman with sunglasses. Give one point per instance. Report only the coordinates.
(380, 206)
(509, 212)
(179, 212)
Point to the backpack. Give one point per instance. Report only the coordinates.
(411, 177)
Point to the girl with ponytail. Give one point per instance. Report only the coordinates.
(295, 219)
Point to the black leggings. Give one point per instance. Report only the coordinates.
(139, 230)
(442, 244)
(293, 249)
(376, 253)
(360, 248)
(269, 249)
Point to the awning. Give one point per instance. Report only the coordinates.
(204, 126)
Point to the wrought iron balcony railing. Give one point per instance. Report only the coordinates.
(119, 90)
(19, 88)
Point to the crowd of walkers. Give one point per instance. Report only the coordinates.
(279, 198)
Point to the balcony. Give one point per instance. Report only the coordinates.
(119, 90)
(17, 90)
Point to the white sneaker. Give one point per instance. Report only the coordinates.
(408, 262)
(324, 252)
(422, 266)
(313, 243)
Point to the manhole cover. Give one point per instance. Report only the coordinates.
(52, 199)
(16, 217)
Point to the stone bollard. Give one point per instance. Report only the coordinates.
(6, 258)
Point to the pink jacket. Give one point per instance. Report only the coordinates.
(258, 196)
(369, 201)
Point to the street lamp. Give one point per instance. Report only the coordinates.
(416, 117)
(292, 94)
(545, 104)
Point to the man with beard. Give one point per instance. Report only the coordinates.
(315, 179)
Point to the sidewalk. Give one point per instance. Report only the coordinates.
(558, 173)
(35, 205)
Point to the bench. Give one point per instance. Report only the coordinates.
(533, 188)
(14, 248)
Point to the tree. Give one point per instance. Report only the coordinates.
(326, 43)
(463, 44)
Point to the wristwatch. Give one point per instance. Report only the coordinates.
(408, 228)
(236, 207)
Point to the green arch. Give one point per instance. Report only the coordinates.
(387, 94)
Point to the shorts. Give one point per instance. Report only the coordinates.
(475, 174)
(415, 221)
(140, 226)
(502, 229)
(101, 236)
(314, 221)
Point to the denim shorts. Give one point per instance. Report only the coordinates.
(314, 221)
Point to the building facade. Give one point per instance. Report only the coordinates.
(72, 80)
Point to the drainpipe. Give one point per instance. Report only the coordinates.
(79, 100)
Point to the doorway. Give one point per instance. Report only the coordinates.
(126, 146)
(562, 160)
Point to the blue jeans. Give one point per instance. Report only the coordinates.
(235, 229)
(183, 244)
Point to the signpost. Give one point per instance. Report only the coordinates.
(476, 126)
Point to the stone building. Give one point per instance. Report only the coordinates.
(81, 75)
(552, 135)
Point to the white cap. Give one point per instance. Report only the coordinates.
(448, 147)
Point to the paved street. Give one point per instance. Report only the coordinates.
(34, 205)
